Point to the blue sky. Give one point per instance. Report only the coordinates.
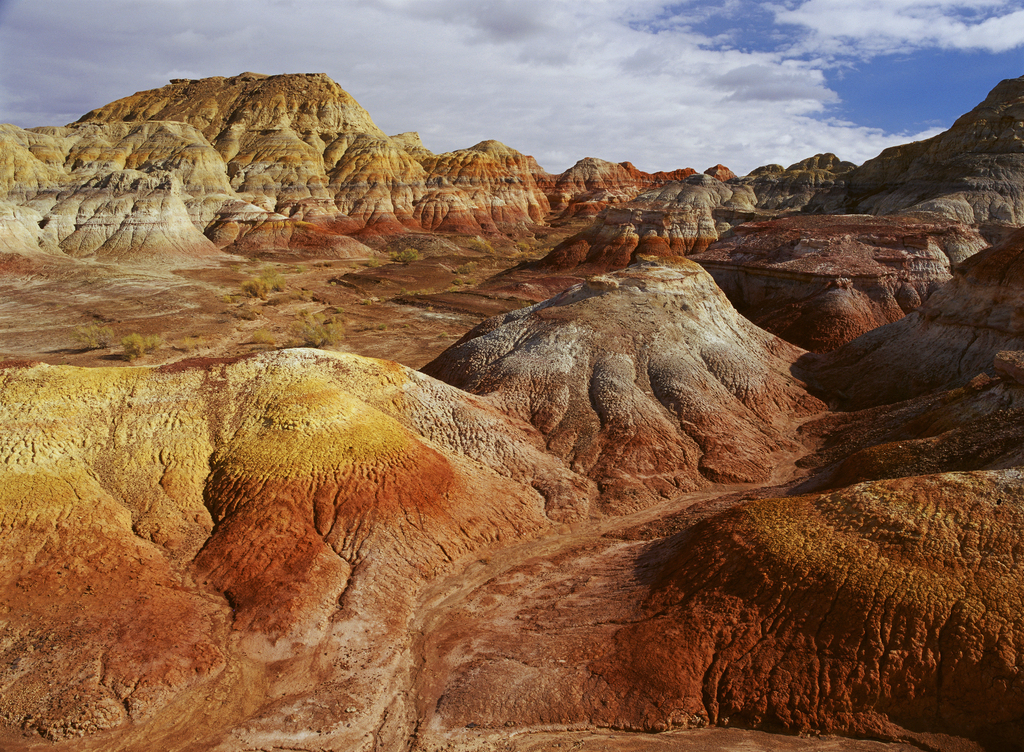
(664, 85)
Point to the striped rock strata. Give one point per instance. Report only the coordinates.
(973, 172)
(300, 143)
(672, 221)
(592, 185)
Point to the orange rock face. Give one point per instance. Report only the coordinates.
(279, 511)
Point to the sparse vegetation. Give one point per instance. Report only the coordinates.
(405, 256)
(268, 281)
(467, 268)
(372, 263)
(136, 345)
(93, 336)
(256, 288)
(480, 245)
(263, 337)
(190, 343)
(246, 313)
(319, 330)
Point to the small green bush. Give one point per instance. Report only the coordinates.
(268, 281)
(466, 268)
(256, 288)
(93, 336)
(480, 245)
(136, 345)
(319, 330)
(273, 278)
(263, 337)
(405, 256)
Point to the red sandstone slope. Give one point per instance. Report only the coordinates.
(889, 610)
(952, 338)
(821, 281)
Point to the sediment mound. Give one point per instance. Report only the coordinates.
(818, 181)
(646, 380)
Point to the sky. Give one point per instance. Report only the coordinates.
(664, 85)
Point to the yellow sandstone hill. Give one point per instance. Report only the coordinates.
(216, 535)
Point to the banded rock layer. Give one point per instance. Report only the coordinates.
(973, 172)
(672, 221)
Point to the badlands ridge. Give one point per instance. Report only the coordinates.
(691, 460)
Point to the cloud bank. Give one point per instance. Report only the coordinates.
(665, 85)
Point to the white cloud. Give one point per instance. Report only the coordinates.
(872, 27)
(559, 79)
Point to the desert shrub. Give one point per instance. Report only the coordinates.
(263, 337)
(246, 313)
(405, 256)
(466, 268)
(480, 245)
(256, 288)
(188, 344)
(319, 330)
(273, 278)
(136, 345)
(268, 281)
(371, 263)
(93, 336)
